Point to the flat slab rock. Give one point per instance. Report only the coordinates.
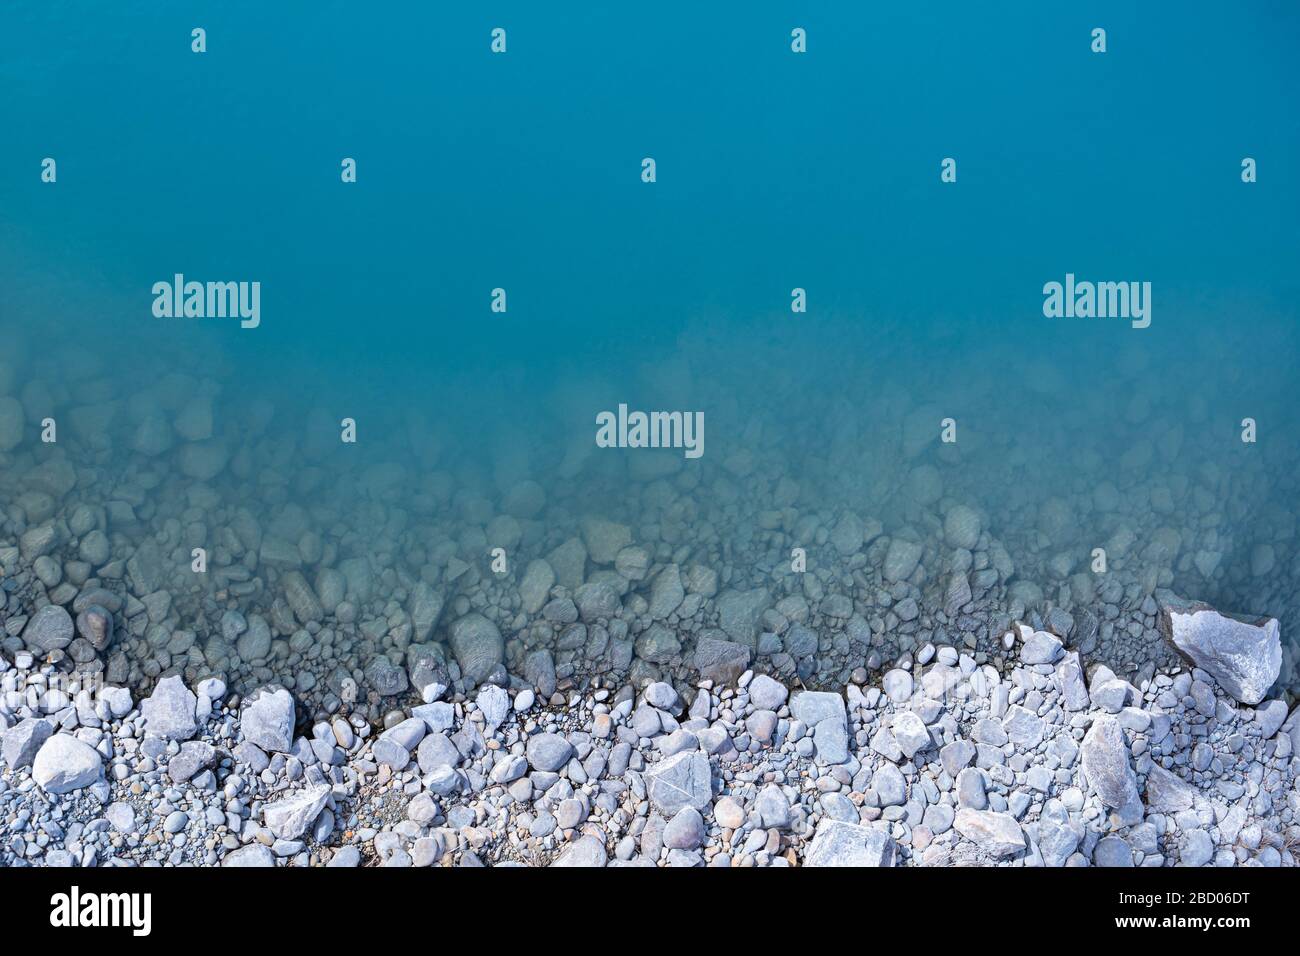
(849, 844)
(682, 780)
(1243, 654)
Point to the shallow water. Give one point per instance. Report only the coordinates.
(775, 171)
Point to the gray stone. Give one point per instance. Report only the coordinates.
(267, 718)
(901, 559)
(170, 711)
(64, 764)
(345, 857)
(682, 780)
(998, 834)
(385, 677)
(1166, 792)
(767, 694)
(589, 851)
(1196, 848)
(1243, 654)
(49, 629)
(95, 624)
(956, 755)
(478, 647)
(848, 844)
(255, 854)
(1106, 763)
(666, 593)
(1041, 648)
(812, 707)
(121, 817)
(426, 609)
(21, 743)
(494, 703)
(772, 807)
(548, 752)
(195, 755)
(1023, 728)
(1070, 682)
(910, 733)
(1270, 716)
(890, 785)
(721, 661)
(685, 831)
(437, 751)
(291, 817)
(739, 613)
(1112, 851)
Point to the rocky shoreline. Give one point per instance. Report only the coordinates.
(226, 635)
(945, 763)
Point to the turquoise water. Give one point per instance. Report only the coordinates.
(775, 171)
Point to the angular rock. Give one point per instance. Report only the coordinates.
(998, 834)
(1106, 763)
(682, 780)
(739, 613)
(1023, 728)
(1243, 654)
(1069, 680)
(848, 844)
(290, 818)
(812, 707)
(170, 712)
(386, 678)
(536, 585)
(494, 703)
(1166, 792)
(267, 719)
(426, 609)
(20, 744)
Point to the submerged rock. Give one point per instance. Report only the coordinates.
(478, 647)
(49, 629)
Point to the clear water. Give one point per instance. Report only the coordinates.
(774, 171)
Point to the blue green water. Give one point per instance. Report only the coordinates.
(775, 171)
